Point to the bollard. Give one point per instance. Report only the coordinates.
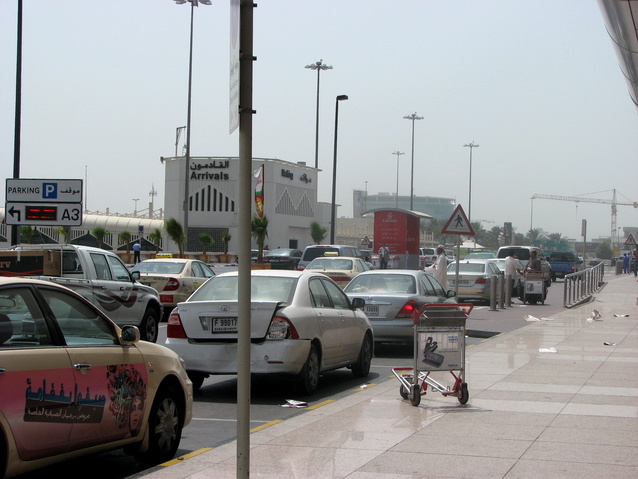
(501, 291)
(493, 285)
(508, 290)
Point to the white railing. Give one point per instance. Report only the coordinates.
(579, 287)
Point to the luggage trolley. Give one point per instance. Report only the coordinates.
(534, 289)
(439, 345)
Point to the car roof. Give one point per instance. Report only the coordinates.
(167, 260)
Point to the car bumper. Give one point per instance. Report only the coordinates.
(392, 331)
(270, 357)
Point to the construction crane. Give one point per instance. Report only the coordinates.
(580, 199)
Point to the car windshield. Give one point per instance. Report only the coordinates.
(160, 267)
(480, 255)
(382, 283)
(468, 267)
(263, 288)
(280, 252)
(330, 263)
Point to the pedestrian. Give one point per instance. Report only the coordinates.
(384, 256)
(440, 267)
(137, 247)
(533, 264)
(513, 268)
(625, 263)
(634, 253)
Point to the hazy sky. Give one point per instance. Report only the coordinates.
(536, 83)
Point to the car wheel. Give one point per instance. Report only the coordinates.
(165, 427)
(361, 368)
(308, 379)
(150, 326)
(197, 379)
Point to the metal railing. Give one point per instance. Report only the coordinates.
(579, 287)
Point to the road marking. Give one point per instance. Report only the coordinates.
(264, 426)
(179, 459)
(321, 404)
(222, 420)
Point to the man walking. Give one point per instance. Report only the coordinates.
(384, 256)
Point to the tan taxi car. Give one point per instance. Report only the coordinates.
(73, 383)
(174, 278)
(341, 269)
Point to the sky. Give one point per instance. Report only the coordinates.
(535, 83)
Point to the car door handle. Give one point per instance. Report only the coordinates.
(82, 366)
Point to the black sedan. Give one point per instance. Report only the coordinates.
(283, 258)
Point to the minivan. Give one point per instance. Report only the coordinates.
(314, 251)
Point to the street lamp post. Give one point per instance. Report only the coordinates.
(178, 133)
(135, 210)
(317, 66)
(412, 117)
(396, 201)
(194, 3)
(471, 146)
(333, 212)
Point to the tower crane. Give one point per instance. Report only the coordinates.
(580, 199)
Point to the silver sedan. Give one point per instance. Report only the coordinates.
(391, 298)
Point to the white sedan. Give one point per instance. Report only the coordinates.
(302, 324)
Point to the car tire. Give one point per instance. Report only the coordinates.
(197, 379)
(149, 327)
(165, 427)
(308, 380)
(361, 368)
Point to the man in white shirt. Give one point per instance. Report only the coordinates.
(513, 267)
(440, 267)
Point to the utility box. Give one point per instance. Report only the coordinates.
(30, 263)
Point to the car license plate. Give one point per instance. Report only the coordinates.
(371, 310)
(223, 325)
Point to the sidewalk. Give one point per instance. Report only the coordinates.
(572, 413)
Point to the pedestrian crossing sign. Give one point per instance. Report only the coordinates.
(630, 241)
(458, 224)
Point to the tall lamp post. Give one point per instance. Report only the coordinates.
(320, 65)
(333, 212)
(412, 117)
(471, 146)
(194, 3)
(396, 201)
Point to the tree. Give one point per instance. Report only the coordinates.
(226, 237)
(533, 235)
(175, 231)
(206, 240)
(259, 228)
(27, 233)
(603, 251)
(317, 232)
(125, 238)
(156, 238)
(99, 233)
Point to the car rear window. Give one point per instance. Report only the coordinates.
(468, 267)
(263, 288)
(382, 283)
(331, 263)
(312, 253)
(521, 253)
(160, 267)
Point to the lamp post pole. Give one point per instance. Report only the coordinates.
(412, 117)
(320, 65)
(333, 212)
(194, 3)
(471, 146)
(396, 200)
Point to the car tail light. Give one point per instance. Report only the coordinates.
(281, 328)
(408, 310)
(481, 281)
(172, 284)
(175, 328)
(340, 278)
(301, 267)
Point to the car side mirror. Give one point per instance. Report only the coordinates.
(451, 293)
(130, 334)
(358, 303)
(135, 275)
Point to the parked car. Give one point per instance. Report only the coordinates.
(74, 383)
(283, 258)
(564, 263)
(174, 278)
(427, 257)
(480, 255)
(475, 278)
(302, 325)
(314, 251)
(341, 269)
(392, 296)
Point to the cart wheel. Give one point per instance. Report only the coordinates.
(415, 400)
(533, 300)
(403, 392)
(465, 394)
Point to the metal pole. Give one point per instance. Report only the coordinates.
(333, 211)
(244, 229)
(188, 132)
(18, 112)
(317, 66)
(396, 200)
(412, 117)
(471, 146)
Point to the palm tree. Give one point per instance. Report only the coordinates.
(27, 233)
(226, 237)
(175, 231)
(99, 233)
(533, 234)
(259, 228)
(125, 238)
(206, 240)
(317, 232)
(156, 238)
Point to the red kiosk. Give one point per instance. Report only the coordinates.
(399, 230)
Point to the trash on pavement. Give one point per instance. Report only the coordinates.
(547, 350)
(294, 403)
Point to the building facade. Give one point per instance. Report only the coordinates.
(439, 208)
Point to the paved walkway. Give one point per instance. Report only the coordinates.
(572, 413)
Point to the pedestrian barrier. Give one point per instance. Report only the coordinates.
(579, 287)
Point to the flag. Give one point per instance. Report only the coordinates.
(259, 191)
